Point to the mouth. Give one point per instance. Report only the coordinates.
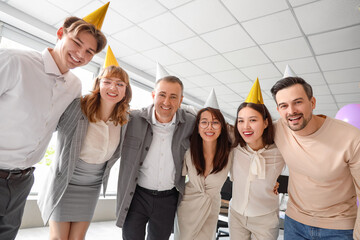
(209, 133)
(248, 133)
(165, 108)
(74, 58)
(294, 119)
(112, 94)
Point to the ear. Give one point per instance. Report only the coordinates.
(313, 103)
(153, 95)
(266, 123)
(181, 100)
(60, 33)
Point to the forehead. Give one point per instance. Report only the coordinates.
(290, 93)
(115, 79)
(248, 112)
(168, 87)
(207, 115)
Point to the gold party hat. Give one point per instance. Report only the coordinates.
(110, 58)
(255, 95)
(97, 17)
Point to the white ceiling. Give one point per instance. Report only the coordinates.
(224, 44)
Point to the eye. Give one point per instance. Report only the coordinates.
(162, 95)
(121, 84)
(76, 43)
(173, 97)
(240, 121)
(252, 120)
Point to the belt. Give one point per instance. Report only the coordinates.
(156, 192)
(16, 174)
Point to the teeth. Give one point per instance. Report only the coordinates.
(295, 118)
(75, 59)
(165, 108)
(112, 94)
(248, 133)
(209, 134)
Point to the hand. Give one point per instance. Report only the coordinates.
(276, 187)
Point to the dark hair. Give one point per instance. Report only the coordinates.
(90, 104)
(268, 134)
(223, 144)
(77, 25)
(290, 81)
(171, 79)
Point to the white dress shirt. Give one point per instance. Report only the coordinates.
(254, 175)
(33, 95)
(100, 142)
(158, 169)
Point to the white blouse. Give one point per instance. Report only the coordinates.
(100, 142)
(254, 175)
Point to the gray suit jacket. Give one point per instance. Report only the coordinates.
(72, 128)
(137, 141)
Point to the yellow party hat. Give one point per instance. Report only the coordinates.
(97, 17)
(255, 95)
(110, 58)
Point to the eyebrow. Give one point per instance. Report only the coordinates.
(300, 98)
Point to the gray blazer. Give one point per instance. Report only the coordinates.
(72, 128)
(136, 145)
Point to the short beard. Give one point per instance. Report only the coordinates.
(302, 126)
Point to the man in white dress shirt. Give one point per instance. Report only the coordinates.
(35, 89)
(150, 179)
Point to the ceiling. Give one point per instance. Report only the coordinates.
(221, 44)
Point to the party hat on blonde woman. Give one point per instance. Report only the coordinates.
(212, 101)
(97, 17)
(110, 58)
(255, 95)
(160, 72)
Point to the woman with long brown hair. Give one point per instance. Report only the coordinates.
(206, 164)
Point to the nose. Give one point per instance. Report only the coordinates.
(247, 124)
(167, 101)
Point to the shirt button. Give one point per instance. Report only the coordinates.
(147, 148)
(141, 163)
(131, 193)
(136, 179)
(126, 209)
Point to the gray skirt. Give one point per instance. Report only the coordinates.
(81, 195)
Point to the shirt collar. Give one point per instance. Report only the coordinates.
(50, 64)
(156, 122)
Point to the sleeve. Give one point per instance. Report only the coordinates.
(231, 159)
(7, 71)
(354, 165)
(185, 168)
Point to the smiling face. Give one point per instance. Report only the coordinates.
(167, 99)
(251, 126)
(72, 50)
(295, 108)
(112, 90)
(209, 127)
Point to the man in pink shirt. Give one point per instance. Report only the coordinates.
(323, 156)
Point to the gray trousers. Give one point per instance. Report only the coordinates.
(157, 209)
(13, 195)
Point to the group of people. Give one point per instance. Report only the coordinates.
(173, 162)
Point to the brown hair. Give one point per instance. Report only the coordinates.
(90, 103)
(223, 144)
(268, 134)
(77, 25)
(290, 81)
(171, 79)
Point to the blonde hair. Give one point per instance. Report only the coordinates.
(90, 103)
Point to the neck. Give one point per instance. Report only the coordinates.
(209, 150)
(55, 56)
(105, 111)
(313, 125)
